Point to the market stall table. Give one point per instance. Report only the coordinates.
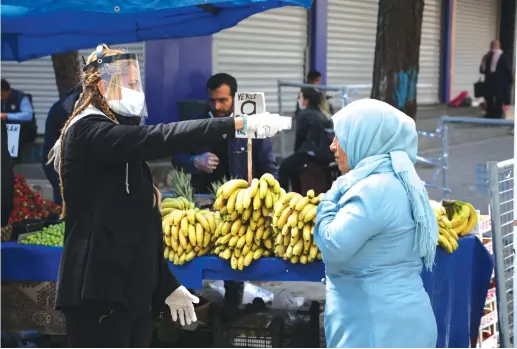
(457, 286)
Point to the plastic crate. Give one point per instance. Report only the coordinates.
(305, 333)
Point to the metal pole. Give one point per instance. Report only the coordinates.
(444, 127)
(498, 246)
(282, 134)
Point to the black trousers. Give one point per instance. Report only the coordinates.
(53, 178)
(103, 325)
(289, 171)
(494, 105)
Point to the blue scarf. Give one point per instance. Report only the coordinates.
(376, 135)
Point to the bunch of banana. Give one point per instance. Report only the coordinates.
(293, 225)
(188, 233)
(245, 233)
(447, 236)
(462, 215)
(170, 204)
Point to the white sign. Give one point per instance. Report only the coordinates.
(13, 139)
(248, 103)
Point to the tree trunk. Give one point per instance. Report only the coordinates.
(397, 51)
(66, 70)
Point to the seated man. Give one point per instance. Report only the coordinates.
(226, 159)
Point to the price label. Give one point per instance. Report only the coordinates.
(13, 139)
(249, 103)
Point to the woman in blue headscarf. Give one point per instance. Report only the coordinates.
(375, 228)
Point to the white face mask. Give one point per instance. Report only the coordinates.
(301, 106)
(131, 104)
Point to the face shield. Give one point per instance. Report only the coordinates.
(121, 84)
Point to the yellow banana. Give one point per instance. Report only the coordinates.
(241, 242)
(166, 252)
(240, 262)
(174, 243)
(302, 203)
(310, 215)
(303, 212)
(306, 232)
(269, 200)
(184, 226)
(444, 242)
(293, 219)
(191, 216)
(236, 226)
(258, 253)
(249, 235)
(256, 202)
(211, 222)
(262, 189)
(199, 235)
(192, 235)
(166, 211)
(166, 227)
(230, 204)
(218, 203)
(294, 259)
(294, 200)
(232, 185)
(269, 179)
(233, 262)
(203, 221)
(242, 230)
(472, 221)
(284, 217)
(247, 197)
(178, 217)
(303, 259)
(313, 251)
(239, 203)
(310, 194)
(248, 258)
(264, 210)
(268, 243)
(298, 248)
(183, 241)
(206, 239)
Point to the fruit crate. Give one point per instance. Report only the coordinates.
(304, 332)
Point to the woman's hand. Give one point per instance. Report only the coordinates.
(181, 303)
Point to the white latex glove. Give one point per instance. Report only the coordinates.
(181, 302)
(266, 125)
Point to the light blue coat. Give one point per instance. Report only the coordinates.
(372, 243)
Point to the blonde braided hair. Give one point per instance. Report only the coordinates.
(91, 95)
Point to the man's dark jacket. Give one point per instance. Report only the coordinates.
(235, 160)
(28, 129)
(113, 246)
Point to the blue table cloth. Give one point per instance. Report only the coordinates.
(457, 285)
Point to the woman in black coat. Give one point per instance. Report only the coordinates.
(112, 271)
(498, 80)
(313, 137)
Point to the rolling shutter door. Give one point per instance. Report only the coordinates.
(263, 49)
(475, 26)
(352, 26)
(428, 88)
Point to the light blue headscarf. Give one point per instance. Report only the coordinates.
(373, 134)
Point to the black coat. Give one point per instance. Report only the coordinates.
(113, 248)
(311, 135)
(498, 83)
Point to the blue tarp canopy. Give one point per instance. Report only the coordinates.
(38, 28)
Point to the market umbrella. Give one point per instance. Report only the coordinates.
(38, 28)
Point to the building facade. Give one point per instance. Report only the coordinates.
(336, 37)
